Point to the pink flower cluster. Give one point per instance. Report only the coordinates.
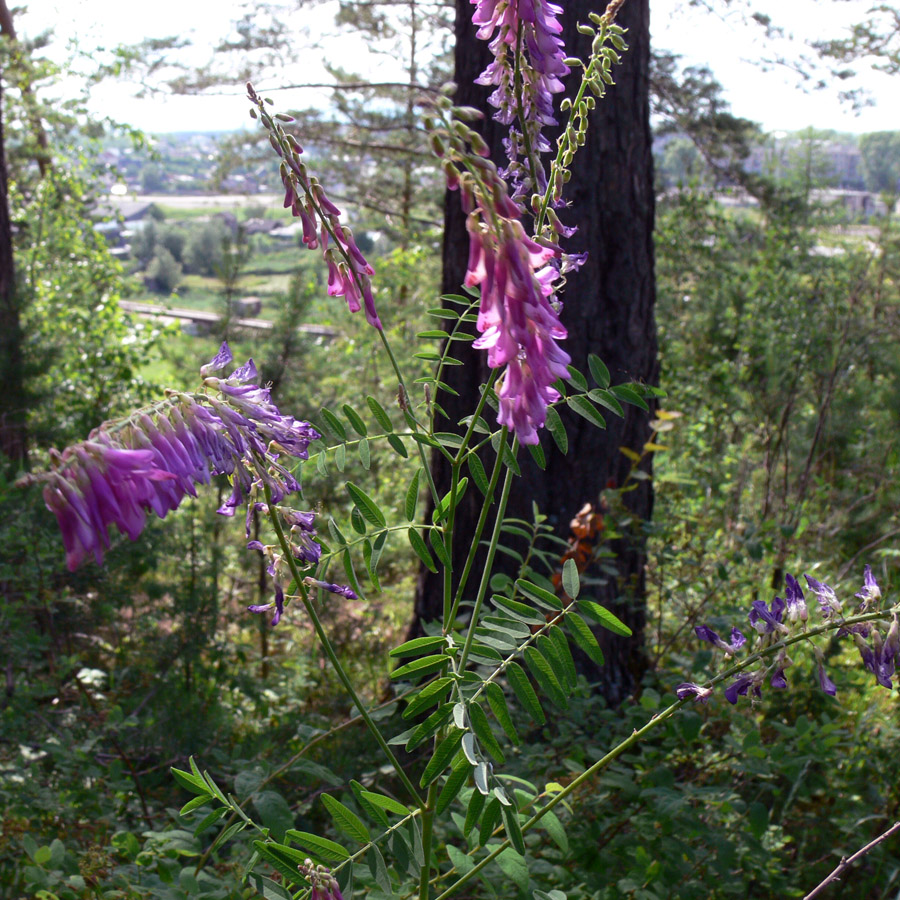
(348, 271)
(519, 326)
(541, 67)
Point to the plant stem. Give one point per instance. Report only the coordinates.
(492, 550)
(427, 833)
(330, 653)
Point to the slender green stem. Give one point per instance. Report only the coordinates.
(476, 537)
(427, 834)
(330, 653)
(638, 735)
(447, 538)
(492, 551)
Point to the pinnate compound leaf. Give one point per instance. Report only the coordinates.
(345, 820)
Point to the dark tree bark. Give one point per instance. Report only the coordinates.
(608, 311)
(12, 407)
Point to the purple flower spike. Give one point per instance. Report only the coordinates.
(828, 601)
(778, 680)
(697, 691)
(870, 591)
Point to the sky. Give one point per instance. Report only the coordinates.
(772, 96)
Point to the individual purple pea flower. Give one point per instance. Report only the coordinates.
(705, 633)
(825, 683)
(767, 620)
(688, 689)
(277, 603)
(341, 589)
(870, 591)
(796, 602)
(828, 601)
(741, 686)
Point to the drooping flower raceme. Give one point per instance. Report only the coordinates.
(786, 617)
(348, 271)
(151, 460)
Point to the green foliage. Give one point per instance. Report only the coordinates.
(163, 272)
(881, 161)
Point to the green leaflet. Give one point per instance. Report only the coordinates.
(346, 820)
(497, 701)
(482, 727)
(356, 423)
(425, 665)
(489, 821)
(445, 751)
(412, 648)
(386, 803)
(584, 637)
(599, 372)
(383, 419)
(412, 497)
(326, 850)
(284, 859)
(565, 654)
(420, 548)
(604, 617)
(545, 677)
(525, 693)
(366, 505)
(429, 695)
(334, 424)
(473, 811)
(557, 430)
(452, 786)
(571, 581)
(430, 726)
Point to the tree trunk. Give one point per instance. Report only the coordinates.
(608, 311)
(12, 408)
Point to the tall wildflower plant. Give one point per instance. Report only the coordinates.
(453, 813)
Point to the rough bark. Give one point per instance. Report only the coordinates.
(608, 311)
(12, 411)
